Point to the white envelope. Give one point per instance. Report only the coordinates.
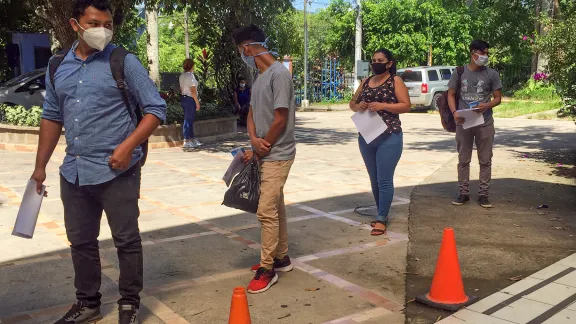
(28, 212)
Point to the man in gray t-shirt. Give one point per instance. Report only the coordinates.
(273, 90)
(271, 128)
(480, 87)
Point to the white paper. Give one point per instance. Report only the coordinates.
(234, 168)
(369, 124)
(472, 118)
(29, 209)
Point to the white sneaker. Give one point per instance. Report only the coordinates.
(189, 145)
(197, 143)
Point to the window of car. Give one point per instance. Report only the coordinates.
(39, 80)
(445, 74)
(433, 75)
(410, 76)
(24, 78)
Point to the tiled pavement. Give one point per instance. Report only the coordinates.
(196, 250)
(546, 297)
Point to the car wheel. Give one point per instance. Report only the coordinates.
(435, 101)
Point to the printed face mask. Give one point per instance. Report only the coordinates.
(96, 37)
(482, 60)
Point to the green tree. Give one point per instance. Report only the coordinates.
(559, 46)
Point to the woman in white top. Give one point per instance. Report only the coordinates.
(190, 103)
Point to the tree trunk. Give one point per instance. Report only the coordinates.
(57, 14)
(152, 44)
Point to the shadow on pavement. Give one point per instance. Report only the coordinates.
(512, 239)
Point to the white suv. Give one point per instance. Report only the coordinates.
(426, 83)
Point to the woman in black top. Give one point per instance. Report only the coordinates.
(386, 94)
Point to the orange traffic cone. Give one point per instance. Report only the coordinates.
(239, 312)
(447, 291)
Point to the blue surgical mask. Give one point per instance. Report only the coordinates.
(251, 60)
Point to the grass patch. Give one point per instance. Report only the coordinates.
(513, 109)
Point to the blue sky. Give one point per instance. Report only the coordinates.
(315, 5)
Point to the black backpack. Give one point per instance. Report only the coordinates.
(117, 67)
(446, 116)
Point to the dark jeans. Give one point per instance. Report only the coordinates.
(189, 106)
(381, 157)
(83, 206)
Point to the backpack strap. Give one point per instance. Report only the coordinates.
(117, 58)
(459, 72)
(55, 62)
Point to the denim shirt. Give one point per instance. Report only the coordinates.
(86, 100)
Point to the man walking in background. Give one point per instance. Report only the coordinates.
(271, 128)
(481, 88)
(101, 170)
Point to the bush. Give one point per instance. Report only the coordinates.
(558, 45)
(175, 113)
(20, 116)
(537, 90)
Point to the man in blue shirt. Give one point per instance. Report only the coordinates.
(101, 170)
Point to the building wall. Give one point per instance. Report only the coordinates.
(27, 44)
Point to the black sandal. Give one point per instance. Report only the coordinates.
(377, 231)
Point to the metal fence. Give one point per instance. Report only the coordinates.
(327, 82)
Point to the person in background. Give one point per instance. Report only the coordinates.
(271, 122)
(386, 94)
(101, 169)
(242, 96)
(190, 103)
(478, 85)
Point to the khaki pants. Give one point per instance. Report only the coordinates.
(484, 138)
(272, 211)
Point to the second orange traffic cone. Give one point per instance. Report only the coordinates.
(447, 291)
(239, 312)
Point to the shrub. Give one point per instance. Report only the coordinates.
(537, 88)
(558, 45)
(175, 113)
(20, 116)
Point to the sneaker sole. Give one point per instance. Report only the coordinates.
(287, 268)
(272, 282)
(458, 204)
(485, 206)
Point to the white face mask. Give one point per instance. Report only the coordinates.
(96, 37)
(482, 60)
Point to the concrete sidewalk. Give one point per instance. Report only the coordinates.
(546, 297)
(197, 251)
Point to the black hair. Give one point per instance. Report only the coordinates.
(478, 45)
(248, 33)
(390, 57)
(79, 7)
(241, 79)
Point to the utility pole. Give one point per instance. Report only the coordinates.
(358, 43)
(305, 102)
(429, 39)
(186, 37)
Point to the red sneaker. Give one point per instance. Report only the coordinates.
(280, 265)
(263, 280)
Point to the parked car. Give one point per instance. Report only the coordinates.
(25, 90)
(426, 83)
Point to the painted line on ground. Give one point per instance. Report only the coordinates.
(528, 291)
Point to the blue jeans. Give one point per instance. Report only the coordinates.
(189, 106)
(381, 157)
